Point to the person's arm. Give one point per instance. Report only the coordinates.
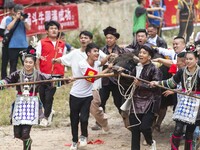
(65, 59)
(106, 59)
(27, 26)
(165, 62)
(38, 55)
(178, 13)
(166, 52)
(154, 17)
(177, 16)
(56, 60)
(10, 24)
(155, 9)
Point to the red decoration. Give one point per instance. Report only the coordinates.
(90, 72)
(32, 51)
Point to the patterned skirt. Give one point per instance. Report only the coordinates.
(26, 110)
(187, 109)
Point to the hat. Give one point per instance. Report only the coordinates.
(149, 48)
(51, 23)
(111, 30)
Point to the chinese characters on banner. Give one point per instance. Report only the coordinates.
(66, 15)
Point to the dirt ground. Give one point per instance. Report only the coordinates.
(57, 138)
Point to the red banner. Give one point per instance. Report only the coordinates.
(30, 1)
(66, 15)
(1, 2)
(170, 13)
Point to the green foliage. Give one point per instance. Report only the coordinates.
(98, 38)
(7, 96)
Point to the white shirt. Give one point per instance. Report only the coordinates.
(98, 84)
(3, 24)
(153, 40)
(197, 36)
(169, 53)
(82, 87)
(72, 60)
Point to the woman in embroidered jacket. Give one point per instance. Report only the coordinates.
(25, 112)
(187, 110)
(146, 100)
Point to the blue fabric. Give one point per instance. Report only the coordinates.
(155, 21)
(18, 39)
(68, 46)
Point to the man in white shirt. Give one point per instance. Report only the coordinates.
(179, 46)
(81, 91)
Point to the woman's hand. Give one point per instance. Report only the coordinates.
(167, 93)
(153, 84)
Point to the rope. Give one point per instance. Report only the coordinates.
(129, 96)
(189, 13)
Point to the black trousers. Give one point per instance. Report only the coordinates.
(105, 93)
(4, 62)
(79, 111)
(14, 54)
(144, 127)
(46, 96)
(178, 131)
(189, 29)
(22, 132)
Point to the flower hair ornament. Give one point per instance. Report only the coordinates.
(29, 51)
(192, 48)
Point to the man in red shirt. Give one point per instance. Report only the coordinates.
(47, 49)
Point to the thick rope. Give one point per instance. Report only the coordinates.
(128, 96)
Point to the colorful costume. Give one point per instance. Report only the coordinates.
(26, 106)
(187, 110)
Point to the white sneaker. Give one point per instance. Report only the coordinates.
(83, 141)
(44, 122)
(74, 146)
(50, 118)
(153, 146)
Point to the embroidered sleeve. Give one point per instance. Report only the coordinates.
(170, 83)
(13, 78)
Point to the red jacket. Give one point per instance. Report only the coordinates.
(49, 52)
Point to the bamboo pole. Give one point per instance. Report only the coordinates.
(61, 79)
(56, 51)
(148, 82)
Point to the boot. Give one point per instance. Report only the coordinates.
(175, 142)
(188, 145)
(27, 144)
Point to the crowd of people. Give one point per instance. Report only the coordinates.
(154, 62)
